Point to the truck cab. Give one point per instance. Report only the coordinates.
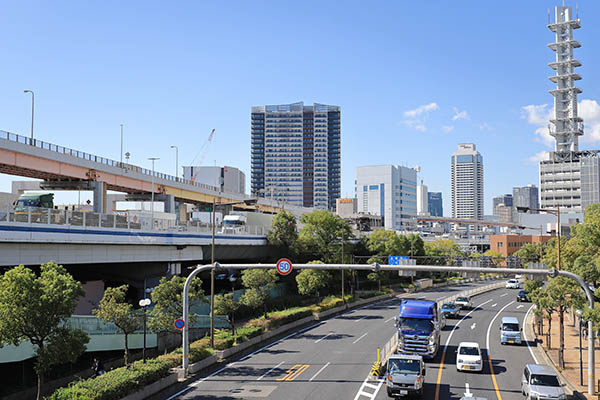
(234, 224)
(419, 325)
(405, 375)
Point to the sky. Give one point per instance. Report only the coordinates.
(413, 79)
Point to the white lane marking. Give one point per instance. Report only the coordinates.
(525, 335)
(519, 306)
(318, 340)
(366, 384)
(364, 334)
(473, 326)
(374, 387)
(461, 320)
(467, 391)
(495, 304)
(363, 317)
(487, 340)
(389, 319)
(319, 371)
(505, 294)
(269, 371)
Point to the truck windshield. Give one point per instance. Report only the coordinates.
(28, 203)
(469, 351)
(409, 367)
(416, 324)
(510, 327)
(544, 380)
(233, 223)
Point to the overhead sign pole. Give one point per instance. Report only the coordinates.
(377, 267)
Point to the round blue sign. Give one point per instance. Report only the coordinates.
(179, 323)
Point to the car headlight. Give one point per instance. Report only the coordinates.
(431, 340)
(418, 383)
(460, 361)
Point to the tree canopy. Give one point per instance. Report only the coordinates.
(283, 232)
(167, 297)
(322, 234)
(33, 308)
(259, 283)
(310, 281)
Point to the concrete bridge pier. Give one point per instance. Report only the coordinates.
(100, 197)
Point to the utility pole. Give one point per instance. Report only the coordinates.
(121, 164)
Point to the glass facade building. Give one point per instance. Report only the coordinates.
(435, 204)
(296, 154)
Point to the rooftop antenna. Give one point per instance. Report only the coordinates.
(576, 11)
(549, 17)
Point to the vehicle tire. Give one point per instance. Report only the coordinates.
(420, 393)
(389, 393)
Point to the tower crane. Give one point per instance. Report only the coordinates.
(202, 153)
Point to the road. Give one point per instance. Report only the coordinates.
(332, 359)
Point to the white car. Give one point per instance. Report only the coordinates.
(513, 284)
(468, 357)
(463, 302)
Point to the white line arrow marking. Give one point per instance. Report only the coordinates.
(519, 306)
(473, 326)
(494, 305)
(467, 392)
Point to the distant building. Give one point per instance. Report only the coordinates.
(507, 245)
(389, 191)
(503, 207)
(506, 199)
(467, 182)
(346, 207)
(296, 154)
(422, 200)
(435, 204)
(229, 179)
(526, 196)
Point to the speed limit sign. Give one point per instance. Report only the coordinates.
(284, 266)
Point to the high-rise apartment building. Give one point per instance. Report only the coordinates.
(226, 178)
(526, 196)
(389, 191)
(422, 200)
(435, 204)
(467, 182)
(296, 154)
(570, 178)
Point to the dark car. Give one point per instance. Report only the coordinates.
(523, 295)
(450, 310)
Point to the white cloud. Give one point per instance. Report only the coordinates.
(589, 110)
(539, 115)
(459, 115)
(485, 127)
(447, 128)
(424, 109)
(536, 158)
(420, 127)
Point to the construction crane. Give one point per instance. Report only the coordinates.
(202, 154)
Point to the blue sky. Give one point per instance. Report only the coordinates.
(413, 79)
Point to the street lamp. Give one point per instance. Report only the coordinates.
(152, 205)
(121, 165)
(212, 262)
(553, 211)
(32, 110)
(176, 161)
(144, 303)
(580, 315)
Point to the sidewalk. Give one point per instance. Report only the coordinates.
(571, 373)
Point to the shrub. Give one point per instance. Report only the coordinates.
(279, 318)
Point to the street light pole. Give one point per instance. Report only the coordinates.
(212, 278)
(121, 164)
(176, 161)
(152, 201)
(579, 314)
(32, 110)
(144, 303)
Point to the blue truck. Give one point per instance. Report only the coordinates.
(419, 325)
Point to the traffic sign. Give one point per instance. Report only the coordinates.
(284, 266)
(395, 260)
(179, 323)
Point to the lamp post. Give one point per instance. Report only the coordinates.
(32, 110)
(176, 161)
(580, 314)
(212, 262)
(144, 303)
(152, 201)
(121, 164)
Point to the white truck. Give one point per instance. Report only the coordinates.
(234, 224)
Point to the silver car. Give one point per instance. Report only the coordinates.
(463, 302)
(541, 382)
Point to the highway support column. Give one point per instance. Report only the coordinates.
(100, 197)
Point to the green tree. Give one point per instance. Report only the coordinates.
(259, 283)
(115, 309)
(546, 307)
(384, 243)
(168, 302)
(496, 256)
(586, 266)
(226, 304)
(442, 251)
(529, 252)
(33, 308)
(283, 232)
(322, 235)
(311, 280)
(589, 231)
(415, 245)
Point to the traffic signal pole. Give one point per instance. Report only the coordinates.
(378, 267)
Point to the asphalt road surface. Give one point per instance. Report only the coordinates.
(332, 359)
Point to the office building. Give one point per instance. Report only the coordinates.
(507, 245)
(506, 199)
(346, 207)
(389, 191)
(570, 178)
(435, 204)
(526, 196)
(226, 179)
(502, 207)
(296, 154)
(422, 200)
(467, 182)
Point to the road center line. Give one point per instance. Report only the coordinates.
(489, 353)
(505, 294)
(439, 378)
(269, 371)
(319, 371)
(363, 335)
(525, 334)
(318, 340)
(389, 319)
